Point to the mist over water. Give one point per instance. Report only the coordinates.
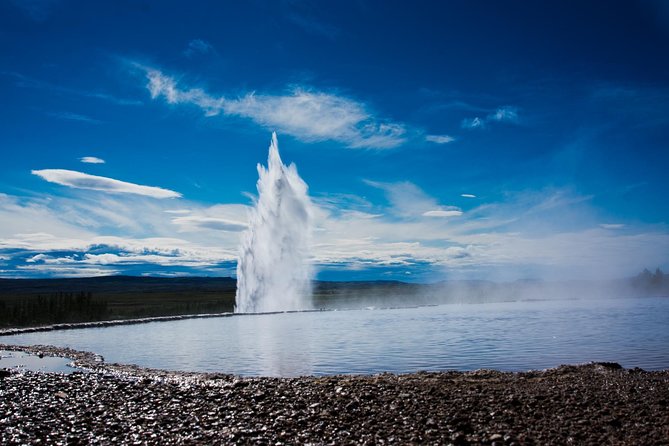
(273, 271)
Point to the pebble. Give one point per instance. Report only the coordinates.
(116, 404)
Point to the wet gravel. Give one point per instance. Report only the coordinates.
(117, 404)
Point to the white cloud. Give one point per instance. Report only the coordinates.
(442, 213)
(339, 201)
(28, 82)
(79, 180)
(474, 123)
(91, 160)
(439, 139)
(198, 46)
(306, 114)
(74, 117)
(65, 271)
(83, 217)
(612, 225)
(194, 223)
(554, 232)
(59, 235)
(548, 231)
(408, 200)
(226, 218)
(506, 113)
(161, 85)
(117, 250)
(468, 195)
(35, 215)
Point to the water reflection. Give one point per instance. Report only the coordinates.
(274, 345)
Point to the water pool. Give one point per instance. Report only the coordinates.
(505, 336)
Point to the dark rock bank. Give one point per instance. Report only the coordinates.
(115, 404)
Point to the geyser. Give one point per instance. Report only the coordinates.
(274, 271)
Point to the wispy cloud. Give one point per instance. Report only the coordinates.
(227, 218)
(198, 47)
(35, 215)
(29, 82)
(196, 222)
(317, 116)
(165, 86)
(74, 117)
(442, 213)
(79, 180)
(106, 97)
(57, 234)
(306, 114)
(109, 255)
(439, 139)
(314, 26)
(91, 160)
(506, 114)
(612, 225)
(550, 232)
(409, 201)
(60, 271)
(640, 104)
(474, 123)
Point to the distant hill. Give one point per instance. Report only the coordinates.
(117, 284)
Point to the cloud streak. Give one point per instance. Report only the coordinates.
(80, 180)
(198, 47)
(506, 114)
(28, 82)
(91, 160)
(442, 213)
(195, 222)
(306, 114)
(409, 201)
(74, 117)
(315, 27)
(439, 139)
(474, 123)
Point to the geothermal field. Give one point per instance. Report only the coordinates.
(334, 223)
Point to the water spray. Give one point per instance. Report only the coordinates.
(274, 272)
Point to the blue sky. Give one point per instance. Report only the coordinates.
(440, 140)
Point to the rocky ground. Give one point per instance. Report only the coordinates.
(115, 404)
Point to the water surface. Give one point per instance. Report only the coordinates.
(505, 336)
(28, 361)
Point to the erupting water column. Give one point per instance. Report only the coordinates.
(273, 271)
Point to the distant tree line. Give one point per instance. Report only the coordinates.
(656, 282)
(52, 309)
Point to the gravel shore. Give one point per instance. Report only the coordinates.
(117, 404)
